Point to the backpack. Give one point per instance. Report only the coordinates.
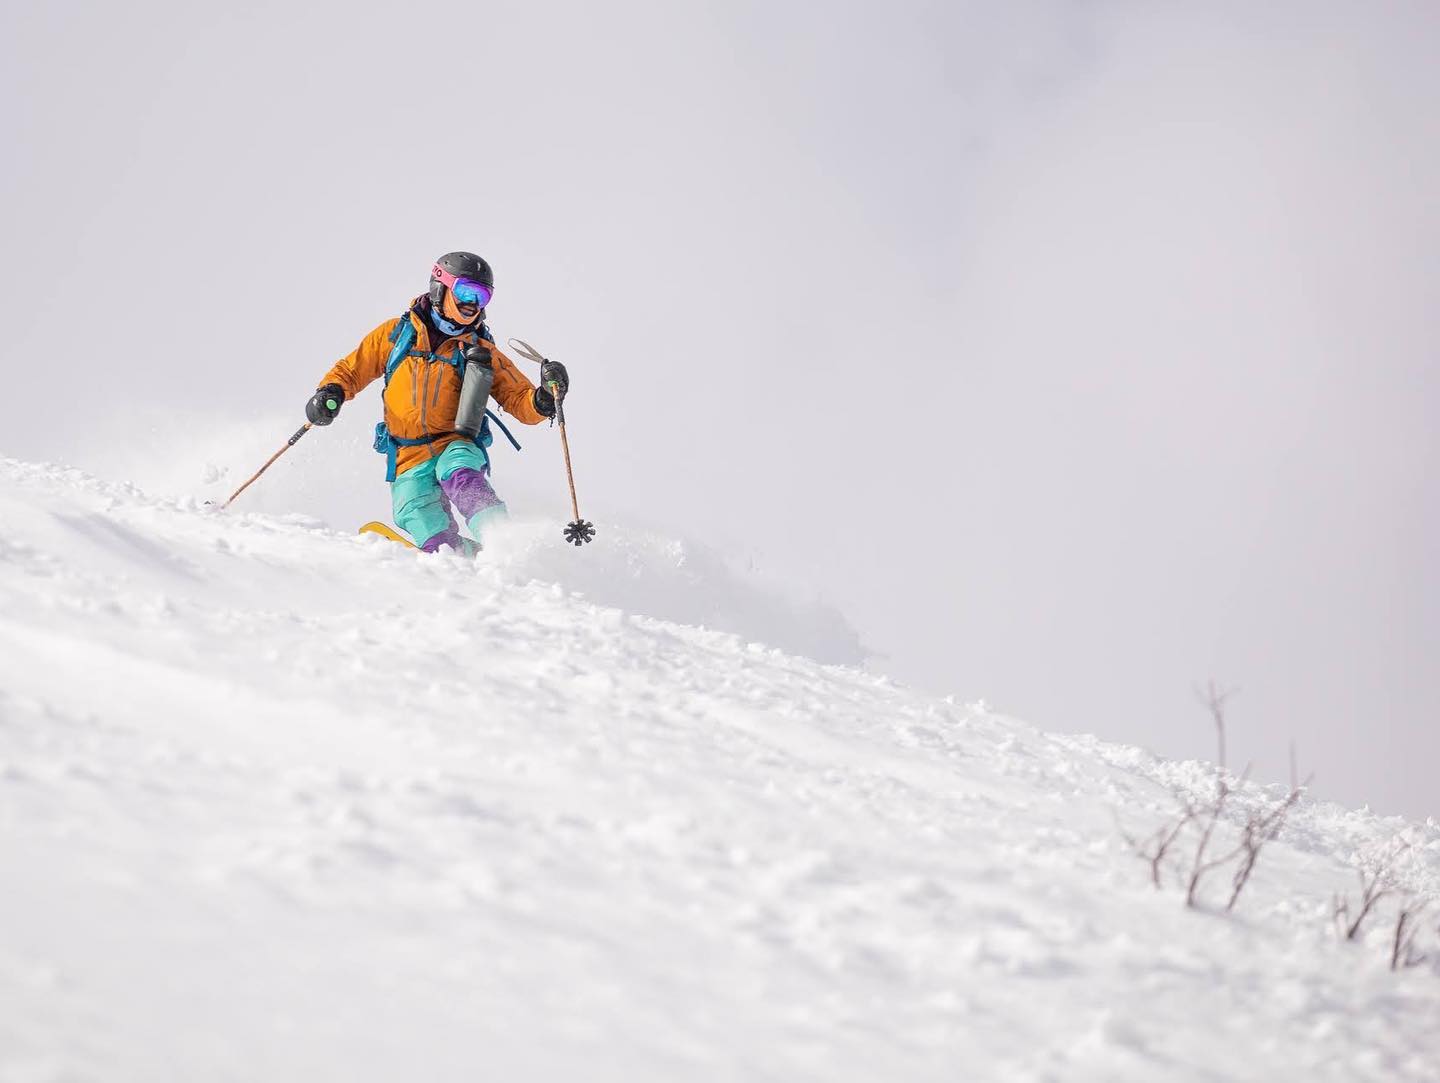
(402, 340)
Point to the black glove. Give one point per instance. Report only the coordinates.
(325, 404)
(551, 372)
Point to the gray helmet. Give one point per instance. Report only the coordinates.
(458, 265)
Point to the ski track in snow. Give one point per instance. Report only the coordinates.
(279, 803)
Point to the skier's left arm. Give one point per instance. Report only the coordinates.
(516, 395)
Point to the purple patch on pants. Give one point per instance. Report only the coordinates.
(449, 536)
(470, 491)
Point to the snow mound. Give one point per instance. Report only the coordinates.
(641, 572)
(675, 580)
(280, 803)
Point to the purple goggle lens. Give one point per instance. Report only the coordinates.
(469, 292)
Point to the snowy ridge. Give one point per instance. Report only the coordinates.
(280, 803)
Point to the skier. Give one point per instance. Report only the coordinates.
(422, 356)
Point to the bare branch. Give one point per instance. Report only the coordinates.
(1215, 699)
(1261, 825)
(1402, 949)
(1156, 847)
(1260, 829)
(1375, 884)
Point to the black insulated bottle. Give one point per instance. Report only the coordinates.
(474, 391)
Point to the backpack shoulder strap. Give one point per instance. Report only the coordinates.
(456, 358)
(402, 339)
(402, 345)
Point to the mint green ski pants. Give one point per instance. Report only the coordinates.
(421, 497)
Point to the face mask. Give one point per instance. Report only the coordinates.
(445, 325)
(450, 309)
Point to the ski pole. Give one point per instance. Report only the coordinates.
(577, 531)
(268, 462)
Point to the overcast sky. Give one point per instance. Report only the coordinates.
(1080, 352)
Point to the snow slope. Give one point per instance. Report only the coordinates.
(279, 803)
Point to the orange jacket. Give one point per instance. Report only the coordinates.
(423, 395)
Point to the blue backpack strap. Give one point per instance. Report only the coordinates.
(402, 338)
(456, 360)
(491, 416)
(385, 445)
(389, 445)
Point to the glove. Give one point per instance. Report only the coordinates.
(551, 372)
(325, 404)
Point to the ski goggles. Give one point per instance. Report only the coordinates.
(466, 291)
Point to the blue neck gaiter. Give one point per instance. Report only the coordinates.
(454, 330)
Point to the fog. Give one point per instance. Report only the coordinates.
(1080, 353)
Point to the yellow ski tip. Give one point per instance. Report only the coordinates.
(387, 531)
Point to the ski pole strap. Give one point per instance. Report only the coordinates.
(530, 353)
(527, 351)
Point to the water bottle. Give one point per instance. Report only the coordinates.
(474, 391)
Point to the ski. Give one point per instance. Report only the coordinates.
(387, 531)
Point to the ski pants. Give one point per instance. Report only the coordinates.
(421, 497)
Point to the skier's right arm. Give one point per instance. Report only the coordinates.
(356, 370)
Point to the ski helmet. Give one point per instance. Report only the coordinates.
(455, 265)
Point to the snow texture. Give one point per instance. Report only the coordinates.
(280, 803)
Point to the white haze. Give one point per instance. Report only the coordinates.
(1078, 352)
